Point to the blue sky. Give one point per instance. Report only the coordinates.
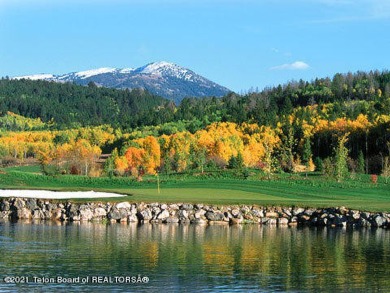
(237, 43)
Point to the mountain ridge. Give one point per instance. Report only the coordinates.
(162, 78)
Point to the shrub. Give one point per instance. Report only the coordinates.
(319, 164)
(374, 178)
(328, 167)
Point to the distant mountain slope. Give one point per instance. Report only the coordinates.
(161, 78)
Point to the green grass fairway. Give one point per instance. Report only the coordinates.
(287, 190)
(268, 193)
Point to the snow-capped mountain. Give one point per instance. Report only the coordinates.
(161, 78)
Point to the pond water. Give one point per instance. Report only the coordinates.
(96, 257)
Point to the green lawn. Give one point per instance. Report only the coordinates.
(287, 190)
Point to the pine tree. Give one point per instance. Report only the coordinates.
(109, 164)
(341, 156)
(306, 153)
(236, 162)
(360, 163)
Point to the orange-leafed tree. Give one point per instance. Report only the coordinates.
(134, 159)
(121, 164)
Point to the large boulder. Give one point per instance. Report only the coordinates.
(86, 214)
(163, 215)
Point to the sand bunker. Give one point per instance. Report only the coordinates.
(56, 194)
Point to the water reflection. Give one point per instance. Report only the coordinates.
(209, 258)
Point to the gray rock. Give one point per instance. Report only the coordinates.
(322, 222)
(99, 213)
(258, 213)
(309, 212)
(363, 223)
(287, 211)
(355, 215)
(173, 206)
(264, 220)
(31, 204)
(132, 218)
(379, 221)
(272, 221)
(41, 204)
(303, 218)
(38, 214)
(18, 204)
(343, 210)
(73, 208)
(297, 211)
(4, 206)
(187, 221)
(314, 221)
(334, 221)
(200, 213)
(47, 215)
(75, 218)
(245, 210)
(183, 214)
(235, 212)
(227, 215)
(145, 215)
(163, 215)
(186, 207)
(50, 206)
(171, 220)
(283, 221)
(114, 214)
(156, 211)
(214, 216)
(86, 214)
(4, 214)
(123, 205)
(198, 206)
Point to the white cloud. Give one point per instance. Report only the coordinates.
(297, 65)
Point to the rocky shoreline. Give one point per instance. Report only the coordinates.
(38, 209)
